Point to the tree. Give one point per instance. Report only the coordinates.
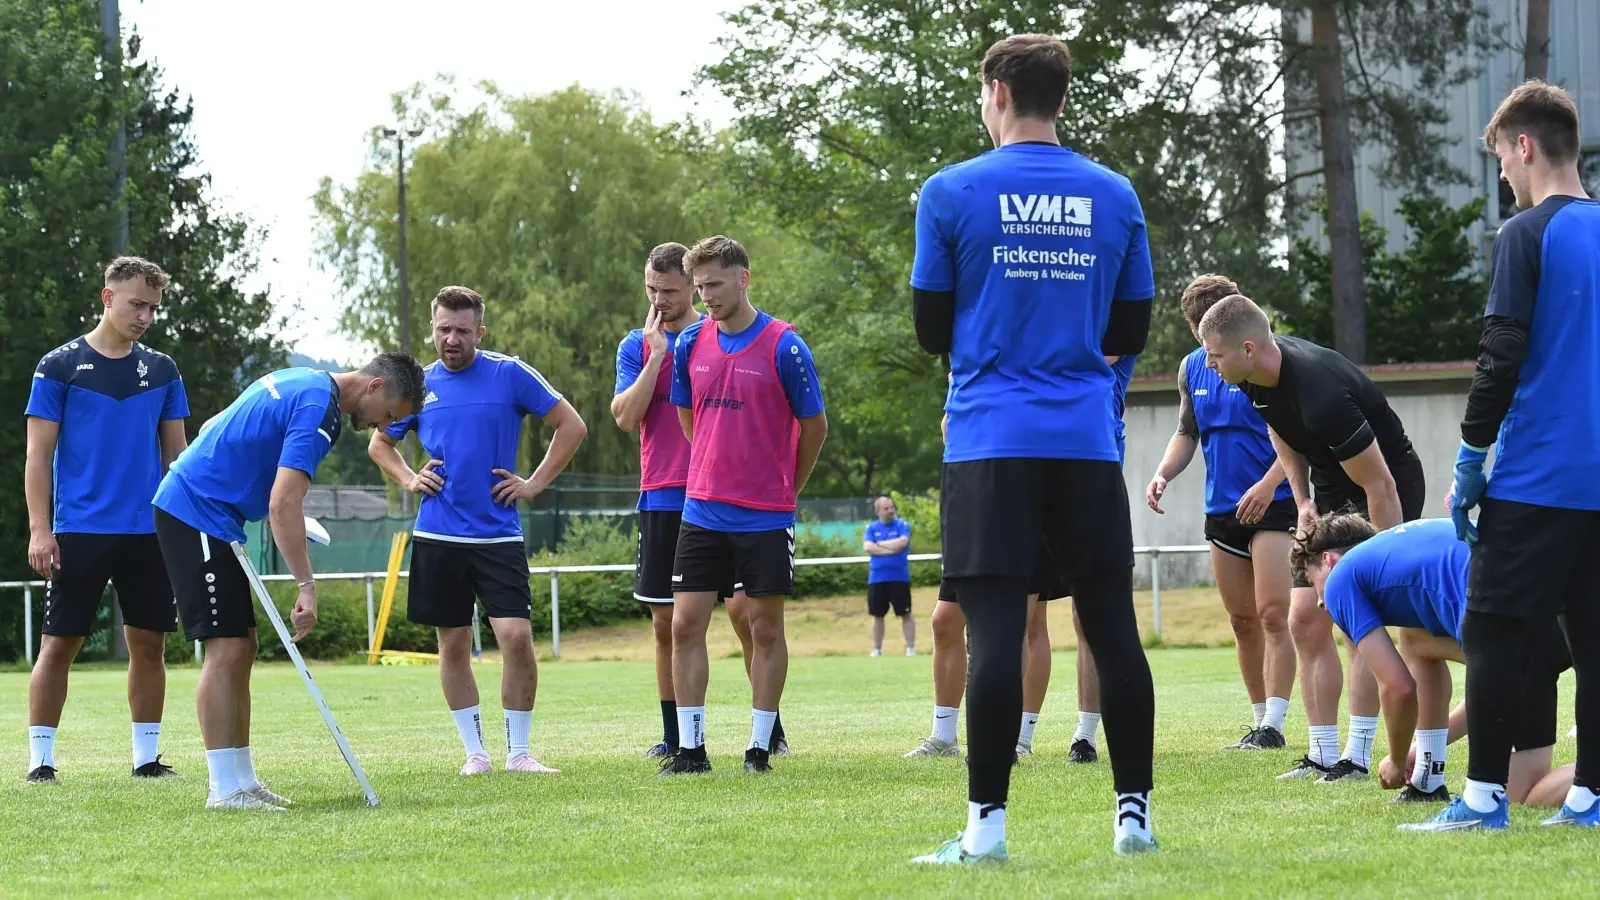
(1536, 41)
(57, 113)
(546, 205)
(1339, 174)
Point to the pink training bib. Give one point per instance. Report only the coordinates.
(663, 450)
(745, 435)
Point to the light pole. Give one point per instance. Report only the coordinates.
(405, 269)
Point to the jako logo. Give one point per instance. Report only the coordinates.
(1052, 208)
(84, 367)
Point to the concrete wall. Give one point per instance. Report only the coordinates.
(1429, 398)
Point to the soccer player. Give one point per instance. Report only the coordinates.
(1537, 387)
(1250, 518)
(255, 460)
(643, 402)
(467, 540)
(1333, 430)
(888, 541)
(1413, 578)
(1031, 267)
(105, 419)
(750, 403)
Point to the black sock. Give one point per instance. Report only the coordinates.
(669, 723)
(1495, 647)
(1104, 603)
(997, 621)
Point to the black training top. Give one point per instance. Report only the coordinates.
(1329, 411)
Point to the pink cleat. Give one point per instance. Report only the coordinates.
(477, 764)
(522, 762)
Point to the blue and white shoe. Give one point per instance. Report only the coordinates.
(1589, 819)
(951, 854)
(1458, 816)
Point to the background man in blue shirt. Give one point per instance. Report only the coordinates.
(887, 540)
(252, 461)
(1031, 268)
(105, 419)
(1536, 397)
(467, 540)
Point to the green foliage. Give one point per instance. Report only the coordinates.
(589, 598)
(1424, 302)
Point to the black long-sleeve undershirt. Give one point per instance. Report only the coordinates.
(1501, 352)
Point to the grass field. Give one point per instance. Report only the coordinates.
(840, 818)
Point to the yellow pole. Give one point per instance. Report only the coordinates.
(391, 581)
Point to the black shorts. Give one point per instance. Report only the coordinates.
(130, 562)
(446, 576)
(1528, 559)
(1408, 483)
(1044, 581)
(1548, 658)
(884, 595)
(214, 596)
(658, 547)
(997, 513)
(760, 563)
(1225, 532)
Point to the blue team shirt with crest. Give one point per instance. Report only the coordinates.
(896, 567)
(107, 460)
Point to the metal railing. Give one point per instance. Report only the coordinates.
(555, 572)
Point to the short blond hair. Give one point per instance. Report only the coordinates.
(1544, 112)
(1235, 318)
(720, 249)
(1203, 293)
(127, 268)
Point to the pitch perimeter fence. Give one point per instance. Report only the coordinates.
(1154, 554)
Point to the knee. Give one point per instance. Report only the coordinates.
(684, 629)
(662, 625)
(1244, 625)
(1274, 620)
(1309, 626)
(230, 653)
(947, 624)
(766, 631)
(455, 644)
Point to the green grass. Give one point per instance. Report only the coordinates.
(840, 818)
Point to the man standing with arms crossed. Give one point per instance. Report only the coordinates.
(1536, 395)
(467, 541)
(887, 540)
(751, 405)
(1333, 430)
(105, 419)
(1031, 268)
(255, 460)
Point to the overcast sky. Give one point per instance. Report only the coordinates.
(285, 92)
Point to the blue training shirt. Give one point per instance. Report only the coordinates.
(1233, 436)
(1412, 576)
(471, 421)
(888, 568)
(1036, 242)
(798, 374)
(287, 419)
(1547, 277)
(630, 362)
(107, 461)
(1123, 371)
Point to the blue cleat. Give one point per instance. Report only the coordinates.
(1458, 816)
(951, 854)
(1589, 819)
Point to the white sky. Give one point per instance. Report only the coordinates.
(286, 91)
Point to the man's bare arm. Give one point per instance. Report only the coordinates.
(174, 440)
(813, 431)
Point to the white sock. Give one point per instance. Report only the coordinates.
(1133, 815)
(519, 722)
(1428, 773)
(1277, 711)
(245, 767)
(1259, 710)
(761, 728)
(469, 724)
(1483, 797)
(42, 746)
(146, 741)
(1088, 723)
(1029, 720)
(986, 827)
(1579, 798)
(1324, 749)
(691, 727)
(1358, 744)
(944, 723)
(224, 770)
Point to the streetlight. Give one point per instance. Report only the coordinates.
(405, 272)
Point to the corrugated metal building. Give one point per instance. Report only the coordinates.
(1574, 64)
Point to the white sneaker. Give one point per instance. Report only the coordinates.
(477, 764)
(932, 746)
(242, 799)
(1024, 748)
(522, 762)
(877, 651)
(260, 792)
(911, 651)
